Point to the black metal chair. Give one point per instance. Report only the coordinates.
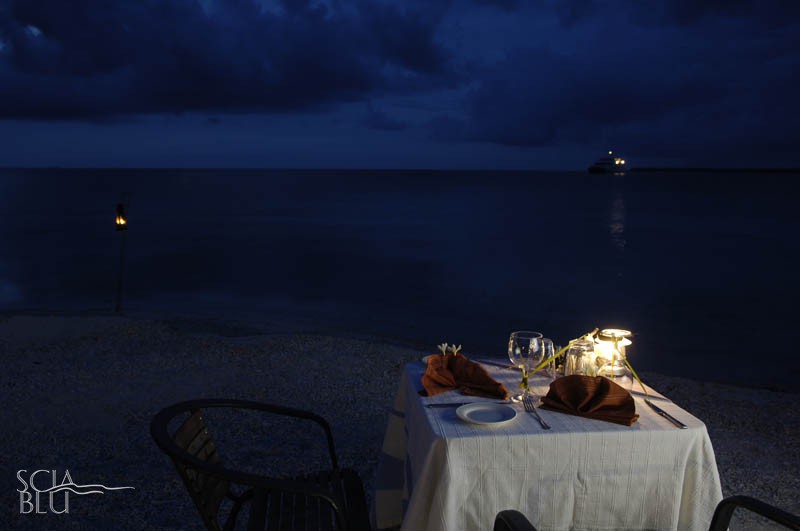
(331, 499)
(724, 512)
(511, 520)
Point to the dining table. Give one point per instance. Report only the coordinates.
(439, 472)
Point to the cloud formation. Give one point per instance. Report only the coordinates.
(683, 75)
(90, 58)
(702, 78)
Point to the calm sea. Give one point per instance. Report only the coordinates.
(703, 267)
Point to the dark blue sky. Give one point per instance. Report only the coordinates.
(398, 84)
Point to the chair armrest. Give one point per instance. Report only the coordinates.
(207, 403)
(725, 508)
(511, 520)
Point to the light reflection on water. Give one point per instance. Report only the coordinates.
(616, 226)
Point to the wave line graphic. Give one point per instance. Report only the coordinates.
(68, 486)
(79, 493)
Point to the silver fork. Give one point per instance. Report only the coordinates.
(527, 401)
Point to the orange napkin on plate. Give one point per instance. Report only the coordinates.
(594, 397)
(446, 372)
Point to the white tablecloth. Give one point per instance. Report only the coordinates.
(440, 473)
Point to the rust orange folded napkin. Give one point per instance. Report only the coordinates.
(594, 397)
(454, 371)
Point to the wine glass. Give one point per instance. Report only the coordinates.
(548, 350)
(524, 349)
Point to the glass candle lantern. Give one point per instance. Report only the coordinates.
(609, 348)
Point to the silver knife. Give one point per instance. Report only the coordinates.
(666, 415)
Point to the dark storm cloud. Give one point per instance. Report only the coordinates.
(89, 58)
(717, 81)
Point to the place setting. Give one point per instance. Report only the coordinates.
(590, 377)
(453, 371)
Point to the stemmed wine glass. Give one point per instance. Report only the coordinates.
(548, 350)
(525, 350)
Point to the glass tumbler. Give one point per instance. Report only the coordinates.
(580, 359)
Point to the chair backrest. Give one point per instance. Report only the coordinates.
(206, 491)
(191, 448)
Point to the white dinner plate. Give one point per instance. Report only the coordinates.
(486, 413)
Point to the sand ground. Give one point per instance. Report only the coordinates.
(78, 393)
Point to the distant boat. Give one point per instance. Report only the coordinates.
(609, 164)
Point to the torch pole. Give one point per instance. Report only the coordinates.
(118, 307)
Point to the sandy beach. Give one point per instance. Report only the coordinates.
(79, 392)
